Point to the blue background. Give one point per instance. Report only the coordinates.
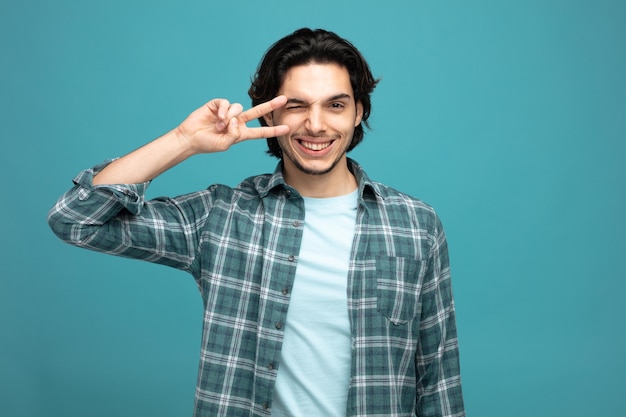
(508, 117)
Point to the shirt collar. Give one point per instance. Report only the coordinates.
(367, 188)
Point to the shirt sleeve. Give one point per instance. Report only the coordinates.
(439, 382)
(116, 219)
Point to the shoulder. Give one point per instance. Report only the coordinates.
(395, 197)
(249, 188)
(395, 207)
(400, 205)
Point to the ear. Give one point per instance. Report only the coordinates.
(269, 118)
(359, 114)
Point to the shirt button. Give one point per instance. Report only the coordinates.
(285, 291)
(296, 223)
(270, 366)
(291, 258)
(266, 405)
(279, 325)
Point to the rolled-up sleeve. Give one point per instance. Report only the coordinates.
(116, 219)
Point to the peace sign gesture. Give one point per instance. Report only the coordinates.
(214, 127)
(218, 125)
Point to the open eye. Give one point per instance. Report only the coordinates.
(337, 105)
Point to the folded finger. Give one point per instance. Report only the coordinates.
(218, 107)
(234, 110)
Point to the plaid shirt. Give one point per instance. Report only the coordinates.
(241, 245)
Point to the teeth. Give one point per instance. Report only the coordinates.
(315, 146)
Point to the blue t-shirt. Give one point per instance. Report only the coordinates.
(314, 371)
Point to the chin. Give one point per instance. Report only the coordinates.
(315, 168)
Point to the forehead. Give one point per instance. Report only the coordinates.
(315, 80)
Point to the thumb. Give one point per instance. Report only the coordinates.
(233, 129)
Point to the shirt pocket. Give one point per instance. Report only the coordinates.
(398, 284)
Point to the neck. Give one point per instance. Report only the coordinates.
(337, 182)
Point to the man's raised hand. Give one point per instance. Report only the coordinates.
(218, 125)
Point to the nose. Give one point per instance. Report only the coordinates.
(315, 120)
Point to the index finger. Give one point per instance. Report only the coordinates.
(263, 109)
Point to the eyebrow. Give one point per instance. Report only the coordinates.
(340, 96)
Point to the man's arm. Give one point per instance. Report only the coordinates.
(439, 381)
(106, 211)
(214, 127)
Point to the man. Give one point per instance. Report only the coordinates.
(325, 293)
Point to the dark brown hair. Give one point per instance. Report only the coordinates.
(306, 46)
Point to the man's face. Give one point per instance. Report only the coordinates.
(321, 115)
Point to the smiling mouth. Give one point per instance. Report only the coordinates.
(315, 146)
